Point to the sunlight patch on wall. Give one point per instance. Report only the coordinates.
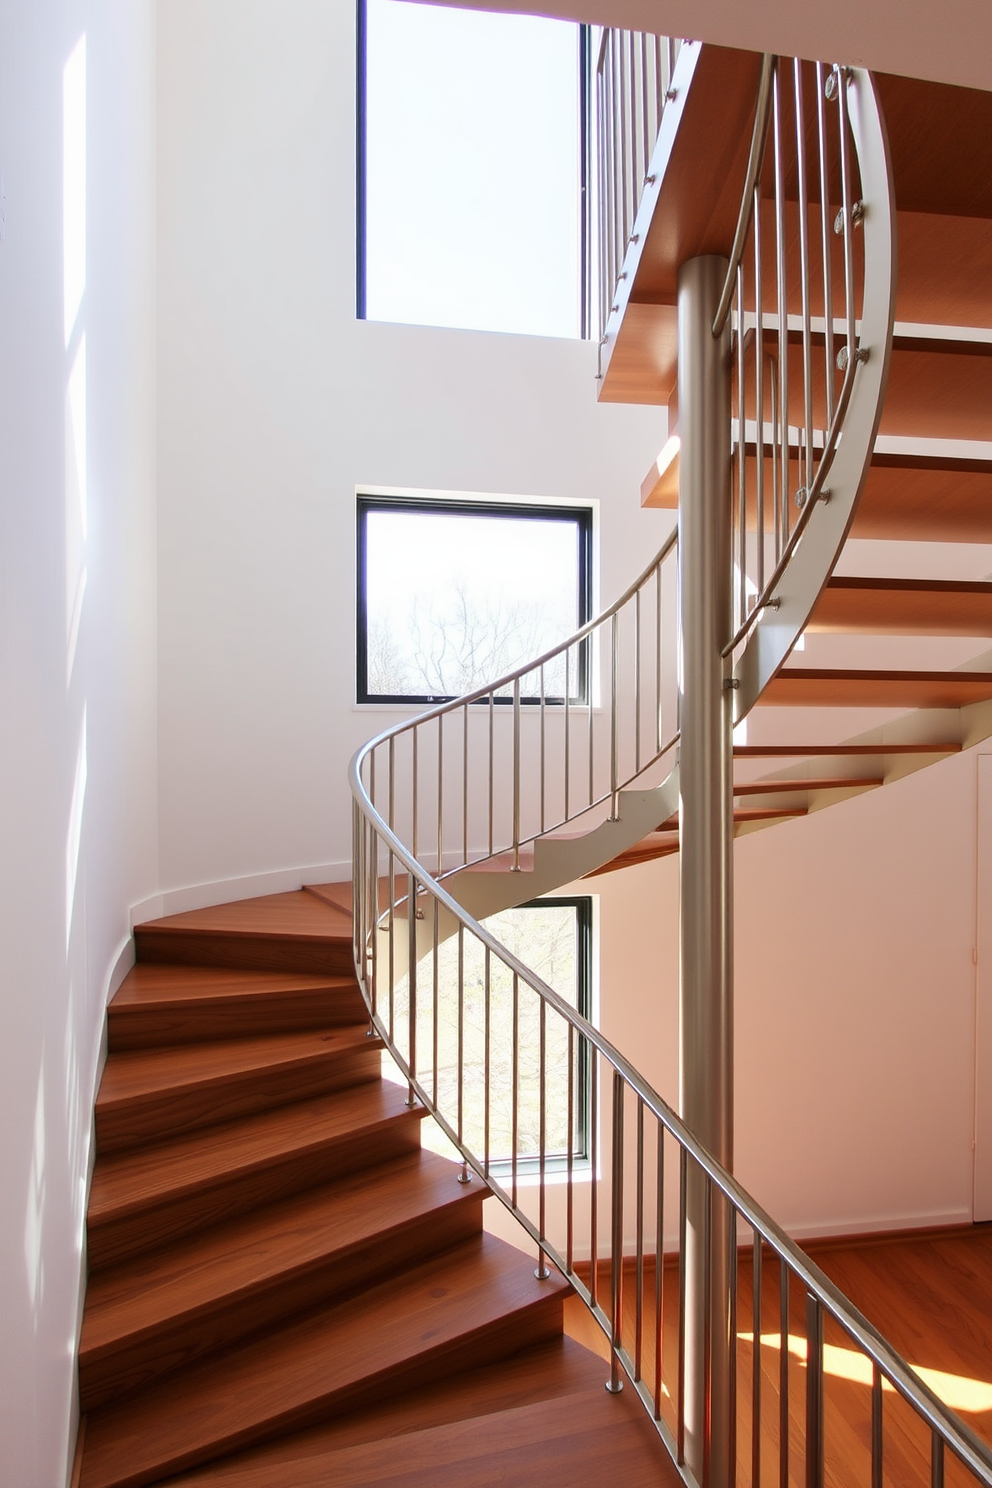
(34, 1216)
(74, 184)
(75, 832)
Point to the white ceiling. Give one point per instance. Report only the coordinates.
(950, 41)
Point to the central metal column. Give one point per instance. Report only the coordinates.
(706, 850)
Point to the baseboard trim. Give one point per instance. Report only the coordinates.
(226, 890)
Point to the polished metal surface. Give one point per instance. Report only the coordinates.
(706, 1041)
(452, 1053)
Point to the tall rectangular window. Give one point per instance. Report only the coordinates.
(470, 169)
(453, 595)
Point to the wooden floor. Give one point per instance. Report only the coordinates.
(930, 1295)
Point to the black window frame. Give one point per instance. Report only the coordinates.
(585, 126)
(580, 515)
(585, 1137)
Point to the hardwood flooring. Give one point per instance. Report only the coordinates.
(929, 1294)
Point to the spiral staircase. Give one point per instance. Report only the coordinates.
(285, 1288)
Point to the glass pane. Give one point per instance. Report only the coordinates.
(454, 601)
(472, 169)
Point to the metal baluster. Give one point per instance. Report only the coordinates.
(732, 1390)
(392, 947)
(876, 1428)
(680, 1418)
(440, 794)
(759, 402)
(814, 1398)
(783, 1375)
(412, 984)
(487, 1055)
(623, 131)
(741, 455)
(756, 1360)
(659, 1274)
(782, 512)
(516, 775)
(634, 172)
(592, 788)
(492, 707)
(637, 685)
(848, 210)
(593, 1173)
(434, 998)
(936, 1460)
(465, 1175)
(828, 297)
(568, 715)
(659, 721)
(776, 458)
(645, 115)
(615, 1382)
(544, 719)
(803, 206)
(618, 233)
(614, 722)
(415, 767)
(639, 1274)
(514, 1088)
(708, 1320)
(542, 1273)
(465, 784)
(570, 1155)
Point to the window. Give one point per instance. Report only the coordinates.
(453, 595)
(472, 163)
(554, 938)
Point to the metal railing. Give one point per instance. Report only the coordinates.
(589, 1158)
(549, 743)
(633, 83)
(597, 1168)
(810, 293)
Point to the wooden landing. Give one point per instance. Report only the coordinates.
(930, 1294)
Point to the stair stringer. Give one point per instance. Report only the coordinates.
(562, 860)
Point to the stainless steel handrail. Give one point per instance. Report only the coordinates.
(611, 1070)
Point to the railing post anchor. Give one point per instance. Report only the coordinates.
(465, 1175)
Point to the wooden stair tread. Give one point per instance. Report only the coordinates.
(558, 1366)
(571, 1441)
(801, 751)
(468, 1306)
(212, 1287)
(926, 497)
(842, 688)
(776, 787)
(148, 1093)
(142, 1198)
(159, 1004)
(904, 607)
(294, 913)
(292, 932)
(132, 1074)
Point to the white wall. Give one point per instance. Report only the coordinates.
(855, 1003)
(79, 840)
(275, 404)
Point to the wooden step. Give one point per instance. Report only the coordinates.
(472, 1305)
(926, 496)
(742, 814)
(573, 1441)
(278, 932)
(921, 495)
(834, 782)
(842, 751)
(545, 1371)
(146, 1198)
(147, 1094)
(936, 607)
(837, 688)
(160, 1004)
(163, 1310)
